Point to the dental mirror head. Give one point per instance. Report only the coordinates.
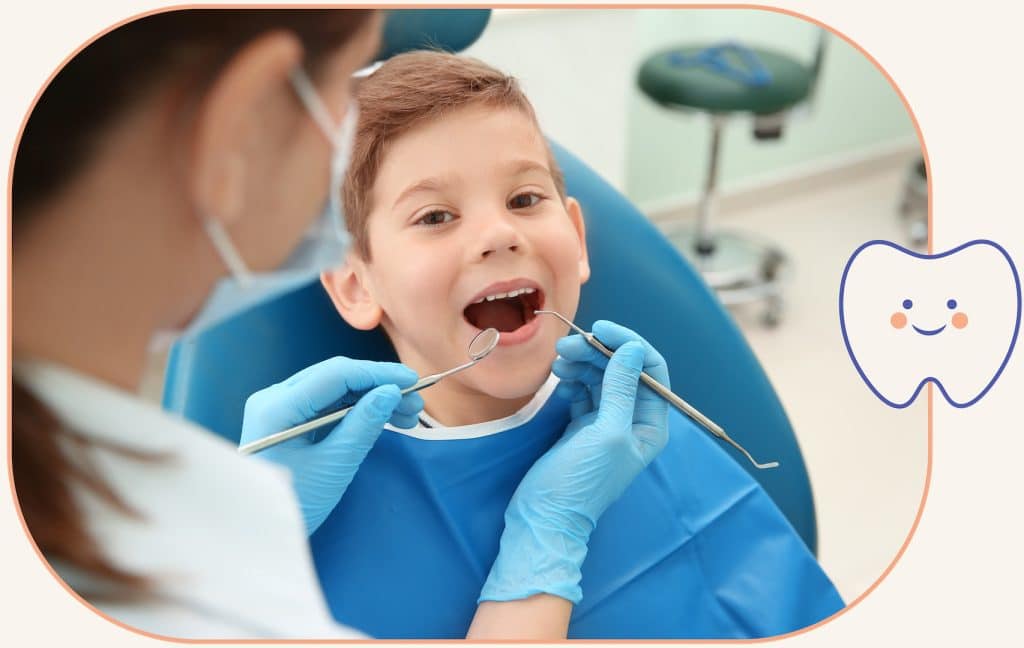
(483, 343)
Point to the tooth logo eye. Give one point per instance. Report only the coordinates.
(898, 319)
(951, 304)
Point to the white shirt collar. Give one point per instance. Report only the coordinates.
(436, 431)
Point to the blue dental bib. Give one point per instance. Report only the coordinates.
(693, 549)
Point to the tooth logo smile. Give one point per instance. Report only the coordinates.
(951, 319)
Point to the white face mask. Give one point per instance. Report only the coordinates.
(341, 140)
(323, 244)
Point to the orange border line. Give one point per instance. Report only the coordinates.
(10, 314)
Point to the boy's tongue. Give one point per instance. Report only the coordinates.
(506, 315)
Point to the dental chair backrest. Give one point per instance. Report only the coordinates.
(638, 280)
(452, 30)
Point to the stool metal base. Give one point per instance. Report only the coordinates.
(913, 205)
(740, 268)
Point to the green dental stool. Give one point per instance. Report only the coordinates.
(730, 80)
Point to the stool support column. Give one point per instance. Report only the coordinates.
(704, 243)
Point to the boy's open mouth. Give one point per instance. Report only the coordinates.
(505, 311)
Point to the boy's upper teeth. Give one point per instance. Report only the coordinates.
(513, 293)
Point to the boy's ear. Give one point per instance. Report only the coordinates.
(572, 206)
(356, 304)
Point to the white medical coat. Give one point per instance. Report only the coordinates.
(220, 535)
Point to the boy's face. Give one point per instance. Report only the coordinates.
(465, 207)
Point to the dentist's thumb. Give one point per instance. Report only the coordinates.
(618, 388)
(361, 427)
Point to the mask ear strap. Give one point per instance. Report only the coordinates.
(339, 162)
(227, 251)
(311, 99)
(340, 139)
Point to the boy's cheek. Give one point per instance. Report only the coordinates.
(566, 251)
(400, 261)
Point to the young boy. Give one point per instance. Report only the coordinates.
(460, 221)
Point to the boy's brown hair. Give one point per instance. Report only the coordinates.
(408, 90)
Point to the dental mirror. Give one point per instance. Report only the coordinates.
(479, 347)
(483, 343)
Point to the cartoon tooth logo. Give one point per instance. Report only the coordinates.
(949, 318)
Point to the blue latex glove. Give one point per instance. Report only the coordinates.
(321, 471)
(616, 431)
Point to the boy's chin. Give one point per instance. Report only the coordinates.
(509, 385)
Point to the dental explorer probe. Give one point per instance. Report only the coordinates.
(665, 393)
(481, 345)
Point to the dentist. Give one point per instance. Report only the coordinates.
(173, 158)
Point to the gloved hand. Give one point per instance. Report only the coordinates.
(322, 471)
(616, 431)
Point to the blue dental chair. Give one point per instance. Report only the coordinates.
(638, 279)
(452, 30)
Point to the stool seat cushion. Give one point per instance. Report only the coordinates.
(666, 80)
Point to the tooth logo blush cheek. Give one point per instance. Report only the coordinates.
(951, 319)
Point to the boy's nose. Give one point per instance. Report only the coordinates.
(498, 236)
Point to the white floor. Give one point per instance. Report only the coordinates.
(867, 462)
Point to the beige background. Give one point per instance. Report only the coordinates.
(960, 576)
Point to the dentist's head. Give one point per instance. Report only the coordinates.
(168, 153)
(171, 152)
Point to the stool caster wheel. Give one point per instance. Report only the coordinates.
(919, 233)
(771, 264)
(772, 316)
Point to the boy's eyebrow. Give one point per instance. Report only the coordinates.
(519, 167)
(515, 167)
(426, 184)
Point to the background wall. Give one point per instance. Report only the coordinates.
(578, 68)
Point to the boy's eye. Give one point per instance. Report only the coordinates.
(436, 217)
(524, 200)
